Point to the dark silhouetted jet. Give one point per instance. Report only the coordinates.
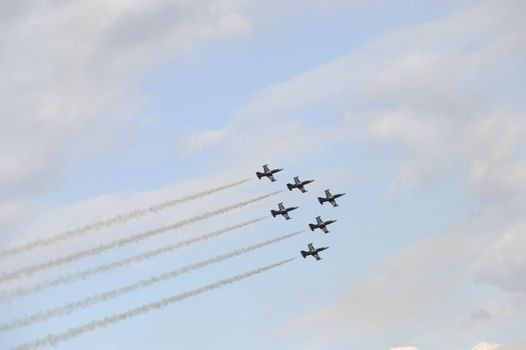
(268, 173)
(331, 198)
(283, 211)
(299, 184)
(313, 251)
(322, 225)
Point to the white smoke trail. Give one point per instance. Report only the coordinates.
(55, 339)
(117, 219)
(75, 276)
(115, 293)
(29, 270)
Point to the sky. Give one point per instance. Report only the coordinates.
(414, 109)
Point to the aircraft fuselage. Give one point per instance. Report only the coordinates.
(313, 252)
(283, 211)
(321, 225)
(331, 199)
(269, 174)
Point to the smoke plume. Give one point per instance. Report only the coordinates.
(75, 276)
(115, 293)
(117, 219)
(29, 270)
(55, 339)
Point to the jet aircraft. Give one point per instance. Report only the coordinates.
(331, 198)
(313, 251)
(283, 211)
(268, 173)
(322, 225)
(299, 184)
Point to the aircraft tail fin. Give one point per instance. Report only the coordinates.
(321, 200)
(312, 227)
(259, 175)
(303, 254)
(289, 186)
(274, 213)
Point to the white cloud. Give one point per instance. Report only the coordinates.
(69, 75)
(412, 290)
(514, 346)
(435, 91)
(504, 264)
(50, 221)
(406, 289)
(200, 141)
(436, 146)
(483, 345)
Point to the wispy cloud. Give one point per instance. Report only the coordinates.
(62, 99)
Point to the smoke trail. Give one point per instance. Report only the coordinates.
(117, 219)
(55, 339)
(29, 270)
(115, 293)
(75, 276)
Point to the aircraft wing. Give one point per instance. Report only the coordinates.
(281, 207)
(311, 247)
(333, 202)
(319, 220)
(302, 189)
(265, 168)
(296, 180)
(316, 256)
(271, 177)
(286, 215)
(324, 229)
(328, 193)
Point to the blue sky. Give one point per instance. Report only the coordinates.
(414, 109)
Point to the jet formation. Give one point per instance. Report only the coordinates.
(284, 211)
